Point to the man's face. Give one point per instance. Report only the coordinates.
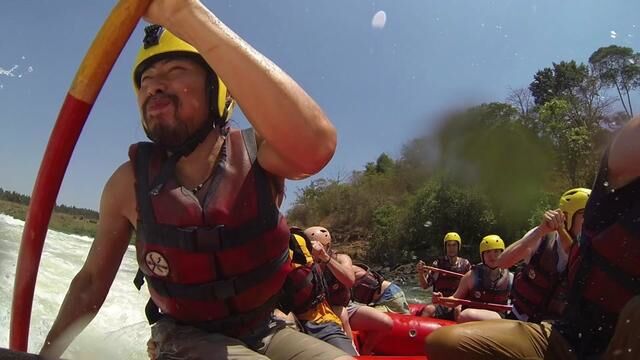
(576, 225)
(490, 257)
(452, 248)
(172, 100)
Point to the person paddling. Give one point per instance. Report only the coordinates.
(485, 283)
(443, 282)
(602, 314)
(203, 197)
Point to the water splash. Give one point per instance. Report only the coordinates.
(9, 72)
(379, 20)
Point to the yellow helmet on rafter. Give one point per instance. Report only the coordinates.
(452, 236)
(160, 44)
(573, 201)
(491, 242)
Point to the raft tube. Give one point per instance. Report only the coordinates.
(406, 340)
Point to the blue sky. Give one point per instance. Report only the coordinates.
(380, 87)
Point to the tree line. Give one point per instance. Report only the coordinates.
(490, 168)
(18, 198)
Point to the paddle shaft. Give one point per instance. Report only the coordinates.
(451, 302)
(444, 271)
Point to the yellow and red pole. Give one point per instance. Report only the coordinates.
(84, 90)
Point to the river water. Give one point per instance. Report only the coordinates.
(119, 331)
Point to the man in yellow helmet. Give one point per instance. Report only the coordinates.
(443, 283)
(487, 282)
(203, 199)
(602, 314)
(539, 289)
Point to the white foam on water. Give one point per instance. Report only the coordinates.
(119, 331)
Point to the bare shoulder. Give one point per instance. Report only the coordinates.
(119, 195)
(344, 259)
(624, 155)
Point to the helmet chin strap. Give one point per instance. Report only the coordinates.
(168, 169)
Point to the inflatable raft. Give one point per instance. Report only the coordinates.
(406, 340)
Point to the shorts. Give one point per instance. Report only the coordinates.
(331, 333)
(392, 300)
(352, 308)
(273, 340)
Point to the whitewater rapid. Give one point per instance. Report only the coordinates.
(119, 331)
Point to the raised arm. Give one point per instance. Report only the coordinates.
(297, 139)
(524, 248)
(340, 266)
(90, 286)
(425, 276)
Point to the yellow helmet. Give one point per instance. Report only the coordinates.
(302, 243)
(452, 236)
(159, 43)
(573, 201)
(491, 242)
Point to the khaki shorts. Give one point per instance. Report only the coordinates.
(511, 339)
(497, 340)
(276, 342)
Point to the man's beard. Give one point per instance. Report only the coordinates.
(166, 133)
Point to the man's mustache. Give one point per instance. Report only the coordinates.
(156, 97)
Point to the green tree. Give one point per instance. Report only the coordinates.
(383, 165)
(442, 206)
(573, 143)
(561, 81)
(619, 67)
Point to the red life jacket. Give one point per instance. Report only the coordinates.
(305, 286)
(448, 284)
(337, 293)
(366, 287)
(219, 265)
(484, 291)
(603, 270)
(304, 289)
(539, 289)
